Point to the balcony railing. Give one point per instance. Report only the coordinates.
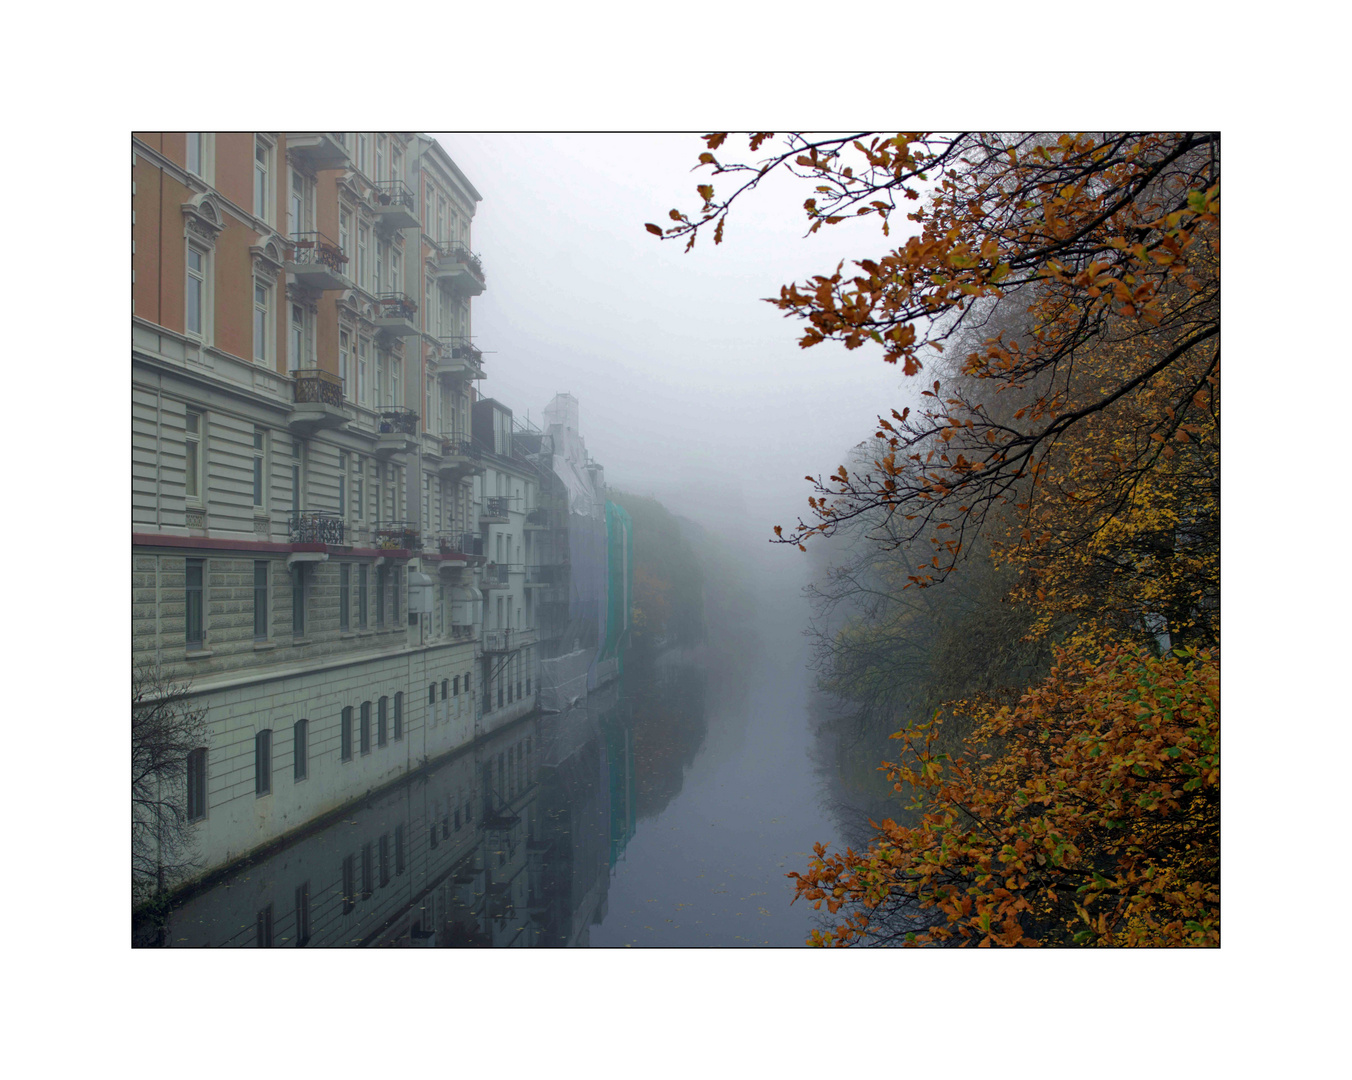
(461, 348)
(538, 516)
(314, 528)
(398, 421)
(460, 544)
(461, 630)
(543, 575)
(457, 446)
(501, 641)
(496, 573)
(397, 306)
(316, 249)
(397, 535)
(497, 506)
(395, 193)
(314, 386)
(455, 251)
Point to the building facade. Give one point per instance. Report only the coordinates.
(328, 520)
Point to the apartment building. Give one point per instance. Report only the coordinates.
(310, 546)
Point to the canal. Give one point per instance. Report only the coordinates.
(666, 811)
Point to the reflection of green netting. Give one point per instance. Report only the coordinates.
(620, 759)
(620, 580)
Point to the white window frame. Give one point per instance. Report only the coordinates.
(262, 350)
(195, 471)
(362, 396)
(260, 470)
(206, 151)
(263, 170)
(395, 364)
(204, 291)
(363, 244)
(345, 363)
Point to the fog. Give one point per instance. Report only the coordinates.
(692, 389)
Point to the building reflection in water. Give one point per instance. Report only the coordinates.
(509, 843)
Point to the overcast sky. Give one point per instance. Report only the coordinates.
(691, 388)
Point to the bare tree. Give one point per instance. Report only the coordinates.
(166, 726)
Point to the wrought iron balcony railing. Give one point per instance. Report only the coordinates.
(455, 250)
(457, 446)
(497, 505)
(461, 544)
(537, 516)
(314, 385)
(543, 575)
(395, 193)
(315, 247)
(397, 535)
(496, 573)
(499, 641)
(461, 348)
(397, 305)
(398, 421)
(312, 527)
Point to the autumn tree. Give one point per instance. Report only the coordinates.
(1065, 292)
(1108, 240)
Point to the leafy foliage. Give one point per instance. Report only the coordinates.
(1089, 813)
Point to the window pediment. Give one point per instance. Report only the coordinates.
(203, 217)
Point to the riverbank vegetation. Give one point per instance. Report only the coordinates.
(1024, 582)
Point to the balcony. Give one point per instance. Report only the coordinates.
(317, 262)
(459, 268)
(495, 576)
(459, 457)
(311, 527)
(397, 536)
(460, 359)
(465, 545)
(397, 315)
(395, 204)
(318, 401)
(495, 510)
(538, 519)
(506, 641)
(538, 576)
(318, 149)
(398, 429)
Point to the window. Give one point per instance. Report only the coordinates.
(297, 461)
(365, 727)
(467, 682)
(262, 183)
(260, 601)
(361, 371)
(366, 871)
(432, 694)
(263, 763)
(363, 242)
(302, 915)
(345, 232)
(445, 685)
(300, 754)
(196, 154)
(382, 720)
(398, 715)
(380, 157)
(345, 734)
(382, 576)
(197, 784)
(296, 355)
(359, 473)
(260, 324)
(196, 291)
(455, 687)
(344, 596)
(260, 441)
(384, 859)
(349, 884)
(398, 850)
(193, 621)
(398, 577)
(192, 474)
(342, 483)
(361, 593)
(298, 600)
(344, 361)
(363, 142)
(382, 259)
(378, 397)
(298, 206)
(395, 399)
(263, 937)
(396, 164)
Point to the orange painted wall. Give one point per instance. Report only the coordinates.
(234, 167)
(172, 252)
(234, 290)
(146, 232)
